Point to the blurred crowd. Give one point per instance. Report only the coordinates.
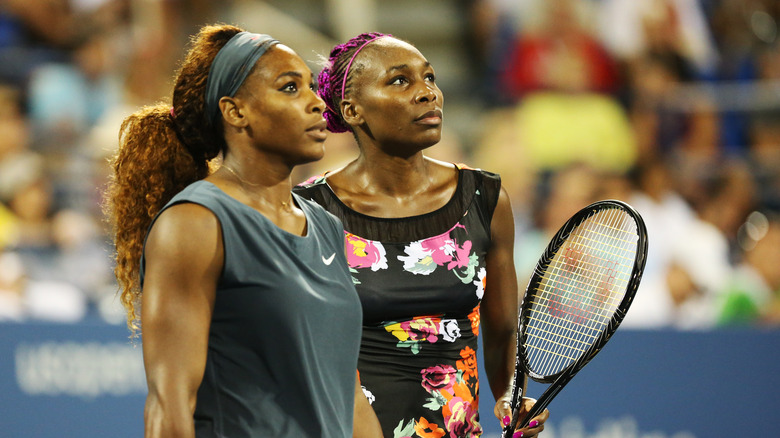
(670, 105)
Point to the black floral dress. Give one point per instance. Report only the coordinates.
(420, 280)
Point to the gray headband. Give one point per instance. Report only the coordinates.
(230, 68)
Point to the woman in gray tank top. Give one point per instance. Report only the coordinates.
(250, 322)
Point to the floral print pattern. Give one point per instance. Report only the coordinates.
(454, 391)
(424, 256)
(421, 306)
(480, 282)
(423, 329)
(363, 253)
(425, 429)
(474, 319)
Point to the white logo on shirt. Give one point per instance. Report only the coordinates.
(328, 260)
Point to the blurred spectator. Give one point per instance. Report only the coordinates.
(557, 53)
(556, 129)
(13, 141)
(673, 28)
(666, 123)
(498, 152)
(764, 157)
(746, 34)
(24, 299)
(559, 196)
(66, 99)
(34, 33)
(31, 33)
(726, 200)
(752, 294)
(27, 192)
(687, 260)
(556, 79)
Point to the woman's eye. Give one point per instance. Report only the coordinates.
(290, 87)
(431, 77)
(398, 81)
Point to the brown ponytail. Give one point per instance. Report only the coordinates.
(161, 151)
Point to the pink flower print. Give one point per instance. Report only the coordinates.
(440, 248)
(422, 329)
(439, 378)
(411, 334)
(461, 256)
(423, 256)
(313, 179)
(363, 253)
(462, 418)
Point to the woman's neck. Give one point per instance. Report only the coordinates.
(263, 186)
(391, 175)
(393, 187)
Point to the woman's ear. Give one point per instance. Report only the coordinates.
(232, 112)
(351, 113)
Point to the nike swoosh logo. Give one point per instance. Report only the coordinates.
(328, 260)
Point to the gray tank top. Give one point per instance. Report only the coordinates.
(285, 333)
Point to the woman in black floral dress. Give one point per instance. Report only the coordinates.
(421, 236)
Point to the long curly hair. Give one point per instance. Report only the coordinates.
(333, 84)
(162, 149)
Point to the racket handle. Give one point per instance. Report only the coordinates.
(518, 389)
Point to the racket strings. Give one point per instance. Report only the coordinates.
(579, 316)
(579, 285)
(573, 262)
(580, 291)
(596, 267)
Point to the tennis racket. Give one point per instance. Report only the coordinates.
(576, 298)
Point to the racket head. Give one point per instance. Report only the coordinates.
(581, 289)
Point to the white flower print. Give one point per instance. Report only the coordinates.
(449, 330)
(480, 282)
(418, 259)
(369, 395)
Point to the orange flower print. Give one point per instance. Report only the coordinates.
(474, 318)
(462, 391)
(468, 363)
(428, 430)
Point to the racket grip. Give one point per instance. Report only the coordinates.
(517, 398)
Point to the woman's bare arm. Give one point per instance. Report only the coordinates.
(184, 258)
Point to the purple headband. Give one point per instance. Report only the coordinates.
(346, 72)
(326, 88)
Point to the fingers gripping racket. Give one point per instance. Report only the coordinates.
(576, 298)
